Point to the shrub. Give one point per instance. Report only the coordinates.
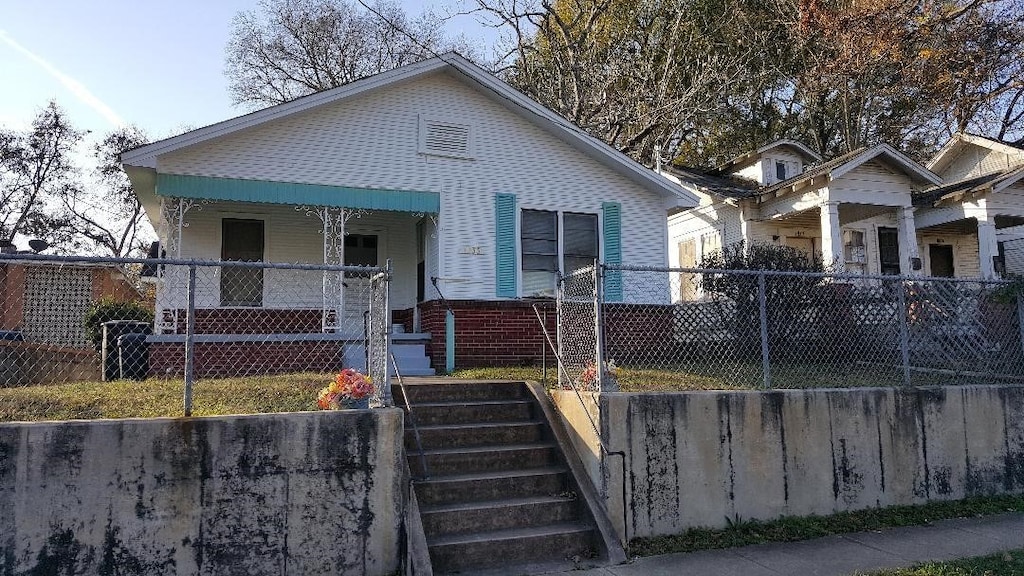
(108, 308)
(788, 299)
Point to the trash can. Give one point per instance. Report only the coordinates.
(132, 356)
(113, 330)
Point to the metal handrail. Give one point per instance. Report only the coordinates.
(412, 418)
(444, 301)
(604, 447)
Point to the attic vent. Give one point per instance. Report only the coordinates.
(445, 139)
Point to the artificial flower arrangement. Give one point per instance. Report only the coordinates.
(350, 389)
(588, 379)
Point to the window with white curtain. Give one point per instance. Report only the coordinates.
(546, 252)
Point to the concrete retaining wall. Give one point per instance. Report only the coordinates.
(304, 493)
(696, 459)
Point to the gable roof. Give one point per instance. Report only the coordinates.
(802, 149)
(995, 182)
(950, 148)
(840, 165)
(726, 186)
(145, 156)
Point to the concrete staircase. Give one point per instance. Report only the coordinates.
(499, 496)
(410, 352)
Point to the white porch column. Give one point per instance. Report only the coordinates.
(907, 241)
(988, 247)
(831, 236)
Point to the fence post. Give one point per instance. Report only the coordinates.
(1020, 318)
(190, 330)
(387, 399)
(762, 304)
(598, 332)
(904, 331)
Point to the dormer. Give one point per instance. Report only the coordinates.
(771, 163)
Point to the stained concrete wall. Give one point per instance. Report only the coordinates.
(306, 493)
(695, 459)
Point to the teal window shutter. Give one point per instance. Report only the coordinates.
(612, 212)
(505, 245)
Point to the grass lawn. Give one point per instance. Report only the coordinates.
(734, 376)
(162, 397)
(1003, 564)
(787, 529)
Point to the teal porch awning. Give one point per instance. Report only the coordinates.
(236, 190)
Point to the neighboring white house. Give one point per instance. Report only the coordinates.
(451, 174)
(970, 225)
(855, 212)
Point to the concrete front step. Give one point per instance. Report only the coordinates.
(475, 412)
(556, 541)
(468, 435)
(507, 513)
(467, 460)
(548, 481)
(464, 391)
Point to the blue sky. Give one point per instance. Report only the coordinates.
(157, 64)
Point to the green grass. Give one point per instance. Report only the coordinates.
(733, 376)
(161, 397)
(1002, 564)
(788, 529)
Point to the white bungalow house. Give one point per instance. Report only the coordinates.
(438, 166)
(970, 225)
(855, 212)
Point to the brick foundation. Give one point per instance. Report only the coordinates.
(246, 358)
(498, 333)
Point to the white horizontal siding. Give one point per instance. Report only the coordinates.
(371, 142)
(965, 252)
(974, 160)
(872, 183)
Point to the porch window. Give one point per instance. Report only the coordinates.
(546, 253)
(361, 250)
(241, 240)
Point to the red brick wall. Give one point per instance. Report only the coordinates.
(500, 333)
(253, 321)
(405, 318)
(246, 358)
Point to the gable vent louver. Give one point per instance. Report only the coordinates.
(445, 139)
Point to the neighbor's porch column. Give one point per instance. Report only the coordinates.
(907, 241)
(831, 236)
(988, 247)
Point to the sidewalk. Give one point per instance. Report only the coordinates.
(839, 555)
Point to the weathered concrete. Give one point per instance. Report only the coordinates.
(704, 458)
(304, 493)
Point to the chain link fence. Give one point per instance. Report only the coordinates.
(247, 336)
(687, 328)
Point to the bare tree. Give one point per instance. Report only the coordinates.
(106, 216)
(292, 48)
(36, 167)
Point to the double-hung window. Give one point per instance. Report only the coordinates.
(554, 243)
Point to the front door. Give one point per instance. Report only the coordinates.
(941, 258)
(889, 251)
(241, 240)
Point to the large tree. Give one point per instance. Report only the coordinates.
(705, 79)
(45, 194)
(291, 48)
(36, 169)
(106, 216)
